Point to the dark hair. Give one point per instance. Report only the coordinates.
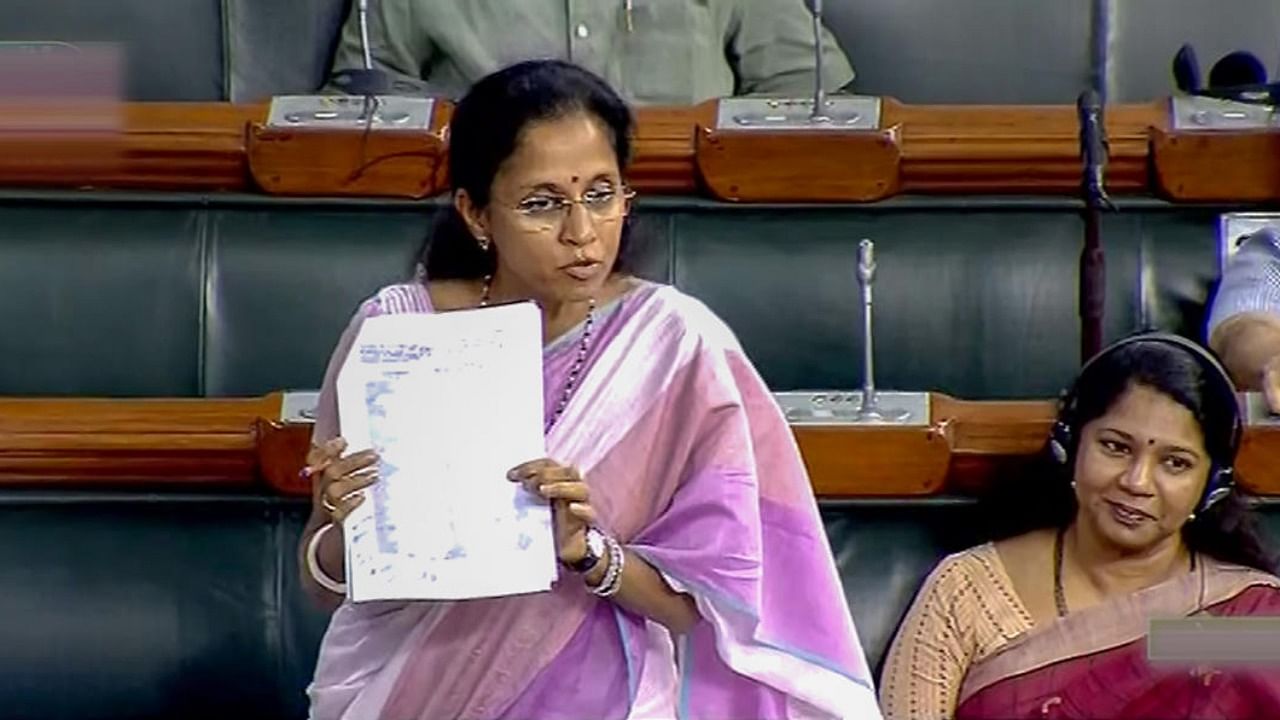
(1041, 496)
(485, 130)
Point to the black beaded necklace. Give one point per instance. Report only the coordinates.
(1059, 594)
(584, 346)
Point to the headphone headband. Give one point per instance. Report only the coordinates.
(1219, 484)
(1210, 362)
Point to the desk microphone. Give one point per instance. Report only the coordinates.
(366, 80)
(870, 410)
(819, 92)
(369, 98)
(363, 9)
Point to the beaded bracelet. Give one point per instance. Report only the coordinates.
(612, 581)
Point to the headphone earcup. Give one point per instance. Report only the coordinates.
(1059, 452)
(1059, 441)
(1237, 69)
(1218, 488)
(1186, 70)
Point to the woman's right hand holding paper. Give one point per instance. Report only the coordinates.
(338, 481)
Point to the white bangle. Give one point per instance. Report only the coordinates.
(612, 581)
(313, 564)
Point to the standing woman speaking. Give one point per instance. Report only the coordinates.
(696, 579)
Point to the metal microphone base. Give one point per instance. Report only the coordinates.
(870, 413)
(1196, 113)
(845, 407)
(351, 112)
(840, 113)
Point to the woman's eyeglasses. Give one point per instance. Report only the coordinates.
(546, 212)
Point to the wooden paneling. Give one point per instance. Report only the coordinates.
(311, 162)
(282, 452)
(1258, 467)
(874, 461)
(239, 444)
(151, 146)
(1222, 167)
(664, 159)
(943, 149)
(938, 149)
(748, 166)
(1015, 149)
(99, 443)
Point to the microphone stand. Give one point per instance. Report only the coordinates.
(368, 100)
(1093, 269)
(823, 110)
(818, 115)
(365, 81)
(870, 411)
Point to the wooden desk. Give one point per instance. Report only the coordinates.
(214, 147)
(939, 149)
(153, 146)
(89, 442)
(237, 444)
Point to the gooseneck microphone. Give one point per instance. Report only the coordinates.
(819, 92)
(365, 80)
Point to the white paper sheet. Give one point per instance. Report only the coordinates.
(451, 402)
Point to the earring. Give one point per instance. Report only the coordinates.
(483, 242)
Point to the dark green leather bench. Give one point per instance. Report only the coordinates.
(144, 606)
(179, 605)
(113, 294)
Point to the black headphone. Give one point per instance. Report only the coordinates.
(1238, 76)
(1063, 436)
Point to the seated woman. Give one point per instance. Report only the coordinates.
(682, 511)
(1137, 519)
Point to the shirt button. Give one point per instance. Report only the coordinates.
(582, 31)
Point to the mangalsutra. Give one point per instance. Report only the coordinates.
(1059, 593)
(584, 346)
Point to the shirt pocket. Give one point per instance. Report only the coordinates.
(674, 53)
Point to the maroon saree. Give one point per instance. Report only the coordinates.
(1093, 663)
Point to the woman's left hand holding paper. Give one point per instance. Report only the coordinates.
(571, 512)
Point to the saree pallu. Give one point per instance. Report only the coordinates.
(692, 466)
(1093, 663)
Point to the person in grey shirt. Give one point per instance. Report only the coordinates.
(1244, 322)
(654, 52)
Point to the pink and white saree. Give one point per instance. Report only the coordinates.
(693, 467)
